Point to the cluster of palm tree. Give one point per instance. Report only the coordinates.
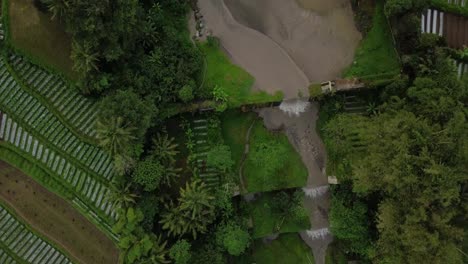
(194, 212)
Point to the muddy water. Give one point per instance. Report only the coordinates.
(321, 39)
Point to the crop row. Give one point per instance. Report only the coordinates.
(92, 191)
(38, 117)
(24, 244)
(77, 109)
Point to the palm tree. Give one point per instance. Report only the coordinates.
(57, 7)
(114, 136)
(165, 148)
(196, 201)
(121, 195)
(174, 220)
(83, 58)
(123, 164)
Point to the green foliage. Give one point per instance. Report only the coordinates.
(235, 82)
(180, 252)
(349, 222)
(149, 206)
(208, 254)
(398, 7)
(272, 162)
(114, 135)
(135, 112)
(376, 53)
(165, 148)
(286, 249)
(148, 174)
(233, 238)
(269, 218)
(186, 94)
(220, 158)
(194, 212)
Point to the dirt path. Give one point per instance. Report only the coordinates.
(53, 217)
(272, 67)
(321, 39)
(301, 132)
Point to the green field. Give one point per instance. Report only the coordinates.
(236, 82)
(291, 171)
(35, 34)
(376, 54)
(235, 125)
(287, 249)
(265, 220)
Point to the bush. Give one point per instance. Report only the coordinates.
(180, 252)
(186, 94)
(148, 174)
(220, 158)
(233, 238)
(213, 42)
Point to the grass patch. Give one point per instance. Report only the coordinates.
(236, 82)
(287, 249)
(265, 220)
(234, 125)
(36, 35)
(376, 53)
(272, 163)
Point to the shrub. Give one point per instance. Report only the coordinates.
(180, 252)
(220, 158)
(148, 174)
(186, 94)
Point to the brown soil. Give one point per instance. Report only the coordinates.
(55, 218)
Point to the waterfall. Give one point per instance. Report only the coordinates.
(315, 192)
(294, 107)
(318, 233)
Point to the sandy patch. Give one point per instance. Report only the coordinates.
(271, 66)
(321, 40)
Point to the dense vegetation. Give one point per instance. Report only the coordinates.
(403, 166)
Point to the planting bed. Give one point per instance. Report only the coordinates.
(90, 191)
(79, 111)
(39, 120)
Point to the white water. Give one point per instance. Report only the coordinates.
(318, 233)
(294, 107)
(315, 192)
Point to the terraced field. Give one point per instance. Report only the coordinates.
(90, 191)
(77, 110)
(208, 174)
(36, 116)
(19, 245)
(36, 113)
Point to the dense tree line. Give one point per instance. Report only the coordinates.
(404, 167)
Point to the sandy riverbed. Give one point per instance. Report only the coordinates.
(321, 39)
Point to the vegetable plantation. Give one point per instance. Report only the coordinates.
(19, 245)
(77, 110)
(32, 129)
